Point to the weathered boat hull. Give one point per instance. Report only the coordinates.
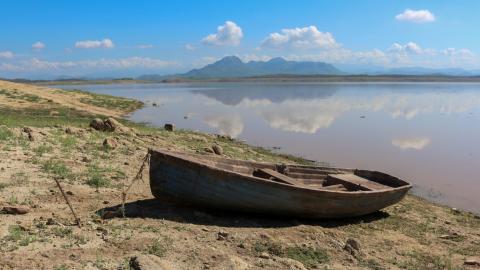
(183, 179)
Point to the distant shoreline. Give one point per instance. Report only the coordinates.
(274, 78)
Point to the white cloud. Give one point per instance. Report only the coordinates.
(91, 44)
(458, 52)
(416, 16)
(145, 46)
(35, 64)
(300, 38)
(189, 47)
(38, 46)
(411, 143)
(410, 47)
(6, 54)
(227, 34)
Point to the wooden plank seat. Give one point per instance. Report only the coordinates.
(277, 176)
(354, 181)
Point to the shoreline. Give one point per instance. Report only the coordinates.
(94, 166)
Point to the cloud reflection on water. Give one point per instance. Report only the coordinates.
(417, 143)
(306, 114)
(231, 125)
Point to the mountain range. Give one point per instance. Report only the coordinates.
(234, 67)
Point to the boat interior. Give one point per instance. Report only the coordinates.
(319, 178)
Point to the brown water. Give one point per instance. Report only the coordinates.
(425, 133)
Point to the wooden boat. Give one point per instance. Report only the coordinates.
(278, 189)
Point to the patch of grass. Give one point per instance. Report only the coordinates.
(58, 168)
(62, 231)
(109, 102)
(308, 256)
(419, 260)
(43, 149)
(18, 235)
(96, 177)
(12, 200)
(5, 134)
(3, 185)
(160, 247)
(270, 247)
(61, 267)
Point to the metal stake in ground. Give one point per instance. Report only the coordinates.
(77, 220)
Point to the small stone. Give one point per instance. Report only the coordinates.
(472, 261)
(15, 210)
(112, 125)
(169, 127)
(222, 235)
(208, 150)
(51, 221)
(455, 210)
(97, 124)
(149, 262)
(31, 137)
(69, 130)
(217, 149)
(352, 246)
(264, 255)
(110, 143)
(86, 159)
(27, 129)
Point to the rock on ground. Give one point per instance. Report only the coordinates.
(217, 149)
(149, 262)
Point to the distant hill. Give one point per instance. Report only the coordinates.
(233, 67)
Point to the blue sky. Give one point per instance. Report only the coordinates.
(120, 38)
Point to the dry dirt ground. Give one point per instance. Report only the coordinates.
(414, 234)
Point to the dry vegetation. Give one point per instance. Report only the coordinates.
(414, 234)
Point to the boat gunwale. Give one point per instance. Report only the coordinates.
(179, 155)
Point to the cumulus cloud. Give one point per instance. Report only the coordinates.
(38, 46)
(92, 44)
(411, 143)
(410, 47)
(300, 38)
(6, 54)
(416, 16)
(36, 64)
(231, 125)
(458, 52)
(227, 34)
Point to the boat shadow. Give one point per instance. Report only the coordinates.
(157, 209)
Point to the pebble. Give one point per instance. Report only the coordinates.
(169, 127)
(15, 210)
(264, 255)
(217, 149)
(472, 261)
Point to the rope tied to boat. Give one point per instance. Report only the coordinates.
(138, 177)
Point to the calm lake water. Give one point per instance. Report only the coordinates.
(426, 133)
